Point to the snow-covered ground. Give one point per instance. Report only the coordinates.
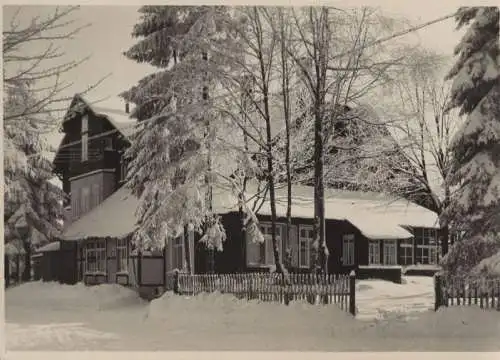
(47, 316)
(376, 298)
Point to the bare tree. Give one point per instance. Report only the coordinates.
(340, 62)
(426, 131)
(286, 77)
(42, 70)
(33, 92)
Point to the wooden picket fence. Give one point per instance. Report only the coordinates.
(316, 289)
(481, 292)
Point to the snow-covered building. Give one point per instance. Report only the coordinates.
(368, 232)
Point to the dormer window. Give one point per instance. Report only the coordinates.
(85, 137)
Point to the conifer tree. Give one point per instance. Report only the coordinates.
(170, 165)
(475, 202)
(476, 146)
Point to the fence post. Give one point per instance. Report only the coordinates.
(352, 292)
(437, 291)
(165, 279)
(176, 282)
(139, 267)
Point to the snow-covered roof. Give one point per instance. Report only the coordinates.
(114, 217)
(342, 205)
(53, 246)
(119, 119)
(375, 215)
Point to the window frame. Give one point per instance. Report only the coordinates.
(265, 248)
(98, 249)
(108, 144)
(85, 138)
(307, 240)
(392, 244)
(424, 238)
(122, 255)
(123, 169)
(406, 246)
(178, 243)
(348, 250)
(374, 244)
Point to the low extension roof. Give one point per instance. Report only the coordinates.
(377, 216)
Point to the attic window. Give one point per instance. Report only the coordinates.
(85, 124)
(85, 138)
(108, 144)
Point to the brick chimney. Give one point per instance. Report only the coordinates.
(127, 107)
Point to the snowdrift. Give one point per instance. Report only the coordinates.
(46, 296)
(217, 312)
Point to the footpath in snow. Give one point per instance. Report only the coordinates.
(45, 316)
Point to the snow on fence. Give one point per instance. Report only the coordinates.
(329, 289)
(481, 292)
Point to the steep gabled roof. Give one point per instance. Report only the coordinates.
(120, 120)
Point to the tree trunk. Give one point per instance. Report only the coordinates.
(445, 232)
(187, 251)
(444, 239)
(27, 262)
(286, 107)
(319, 196)
(269, 148)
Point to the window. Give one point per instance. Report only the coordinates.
(374, 252)
(267, 231)
(108, 143)
(305, 239)
(390, 251)
(96, 195)
(85, 124)
(122, 255)
(85, 201)
(260, 254)
(427, 246)
(406, 252)
(348, 249)
(178, 253)
(85, 147)
(95, 257)
(85, 138)
(123, 169)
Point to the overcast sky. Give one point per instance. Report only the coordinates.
(110, 35)
(111, 26)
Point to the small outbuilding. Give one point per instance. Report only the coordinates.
(46, 262)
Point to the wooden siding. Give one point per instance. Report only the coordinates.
(233, 257)
(106, 186)
(68, 163)
(67, 258)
